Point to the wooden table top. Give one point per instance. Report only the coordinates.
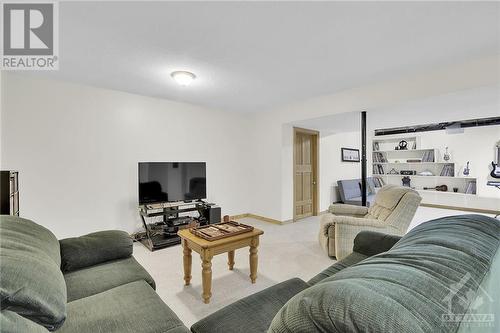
(187, 235)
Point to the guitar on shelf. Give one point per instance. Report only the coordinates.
(441, 188)
(467, 170)
(495, 173)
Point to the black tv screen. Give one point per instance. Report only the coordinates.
(171, 181)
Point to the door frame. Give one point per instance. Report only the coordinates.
(315, 168)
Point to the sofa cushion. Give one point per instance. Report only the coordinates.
(370, 186)
(370, 183)
(25, 235)
(130, 308)
(94, 248)
(371, 243)
(254, 313)
(93, 280)
(348, 189)
(350, 260)
(31, 282)
(390, 195)
(387, 198)
(449, 256)
(358, 200)
(11, 322)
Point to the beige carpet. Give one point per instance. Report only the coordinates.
(285, 251)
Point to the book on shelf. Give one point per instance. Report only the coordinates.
(377, 170)
(428, 156)
(379, 158)
(379, 182)
(448, 171)
(470, 188)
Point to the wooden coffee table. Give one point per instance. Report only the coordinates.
(208, 249)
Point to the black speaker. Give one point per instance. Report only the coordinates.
(214, 215)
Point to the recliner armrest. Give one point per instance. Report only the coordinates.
(371, 243)
(345, 209)
(353, 222)
(94, 248)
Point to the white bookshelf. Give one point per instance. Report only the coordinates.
(433, 177)
(417, 163)
(398, 160)
(410, 151)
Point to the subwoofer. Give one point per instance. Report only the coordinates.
(214, 215)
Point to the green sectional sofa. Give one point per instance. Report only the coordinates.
(85, 284)
(443, 276)
(440, 277)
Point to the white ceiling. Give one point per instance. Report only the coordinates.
(253, 56)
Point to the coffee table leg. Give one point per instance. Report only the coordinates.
(206, 274)
(230, 260)
(187, 262)
(254, 259)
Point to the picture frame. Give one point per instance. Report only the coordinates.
(350, 155)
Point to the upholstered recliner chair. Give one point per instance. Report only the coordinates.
(391, 213)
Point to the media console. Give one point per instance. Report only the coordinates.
(163, 233)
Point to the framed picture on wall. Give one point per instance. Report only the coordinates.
(350, 155)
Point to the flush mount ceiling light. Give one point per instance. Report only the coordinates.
(183, 78)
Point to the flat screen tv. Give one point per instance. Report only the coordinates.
(171, 181)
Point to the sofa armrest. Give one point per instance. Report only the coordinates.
(349, 210)
(94, 248)
(371, 243)
(346, 231)
(252, 314)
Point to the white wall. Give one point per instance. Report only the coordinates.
(77, 148)
(331, 166)
(266, 191)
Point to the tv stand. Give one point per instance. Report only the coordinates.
(161, 234)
